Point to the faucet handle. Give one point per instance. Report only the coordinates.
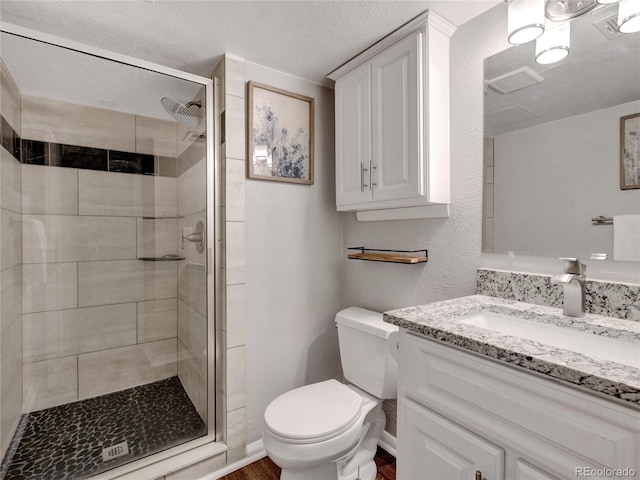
(573, 265)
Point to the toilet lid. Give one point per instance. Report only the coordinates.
(312, 411)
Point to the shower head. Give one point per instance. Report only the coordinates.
(187, 114)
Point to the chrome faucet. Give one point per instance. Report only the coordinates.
(573, 280)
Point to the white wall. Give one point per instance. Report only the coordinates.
(294, 267)
(554, 178)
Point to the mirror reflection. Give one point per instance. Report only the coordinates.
(553, 139)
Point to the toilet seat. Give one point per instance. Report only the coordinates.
(314, 413)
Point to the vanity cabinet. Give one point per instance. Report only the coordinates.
(462, 413)
(440, 449)
(392, 120)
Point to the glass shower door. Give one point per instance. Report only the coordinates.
(105, 330)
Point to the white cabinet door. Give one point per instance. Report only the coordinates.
(396, 112)
(526, 471)
(433, 448)
(353, 136)
(396, 95)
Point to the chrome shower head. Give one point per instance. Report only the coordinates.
(187, 114)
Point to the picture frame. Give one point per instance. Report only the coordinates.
(630, 151)
(280, 134)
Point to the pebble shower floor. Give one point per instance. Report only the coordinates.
(67, 442)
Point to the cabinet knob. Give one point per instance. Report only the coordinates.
(479, 475)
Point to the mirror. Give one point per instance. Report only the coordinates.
(552, 145)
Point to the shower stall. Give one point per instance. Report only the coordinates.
(107, 258)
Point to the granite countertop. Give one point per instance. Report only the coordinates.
(437, 321)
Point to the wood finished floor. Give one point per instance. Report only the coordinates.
(265, 469)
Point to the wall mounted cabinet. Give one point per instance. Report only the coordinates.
(392, 120)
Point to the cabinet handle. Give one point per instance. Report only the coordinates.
(362, 170)
(479, 475)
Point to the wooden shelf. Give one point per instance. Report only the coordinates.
(389, 256)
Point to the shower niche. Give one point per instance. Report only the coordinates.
(107, 324)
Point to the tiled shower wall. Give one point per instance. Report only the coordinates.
(95, 318)
(192, 274)
(232, 407)
(10, 262)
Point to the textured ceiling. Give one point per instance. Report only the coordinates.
(598, 73)
(44, 70)
(304, 38)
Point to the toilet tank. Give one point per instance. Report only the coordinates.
(365, 351)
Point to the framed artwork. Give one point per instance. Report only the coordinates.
(630, 151)
(279, 135)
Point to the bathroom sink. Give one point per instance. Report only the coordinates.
(605, 348)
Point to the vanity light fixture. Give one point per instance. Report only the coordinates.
(554, 44)
(525, 20)
(547, 22)
(629, 16)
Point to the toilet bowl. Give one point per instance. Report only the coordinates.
(329, 430)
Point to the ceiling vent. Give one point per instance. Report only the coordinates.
(515, 80)
(509, 115)
(608, 26)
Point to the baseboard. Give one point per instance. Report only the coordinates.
(255, 451)
(389, 443)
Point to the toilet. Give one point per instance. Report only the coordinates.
(329, 430)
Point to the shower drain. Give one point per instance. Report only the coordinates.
(115, 451)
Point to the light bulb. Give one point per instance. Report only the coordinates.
(629, 16)
(554, 45)
(525, 19)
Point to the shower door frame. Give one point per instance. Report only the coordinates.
(173, 459)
